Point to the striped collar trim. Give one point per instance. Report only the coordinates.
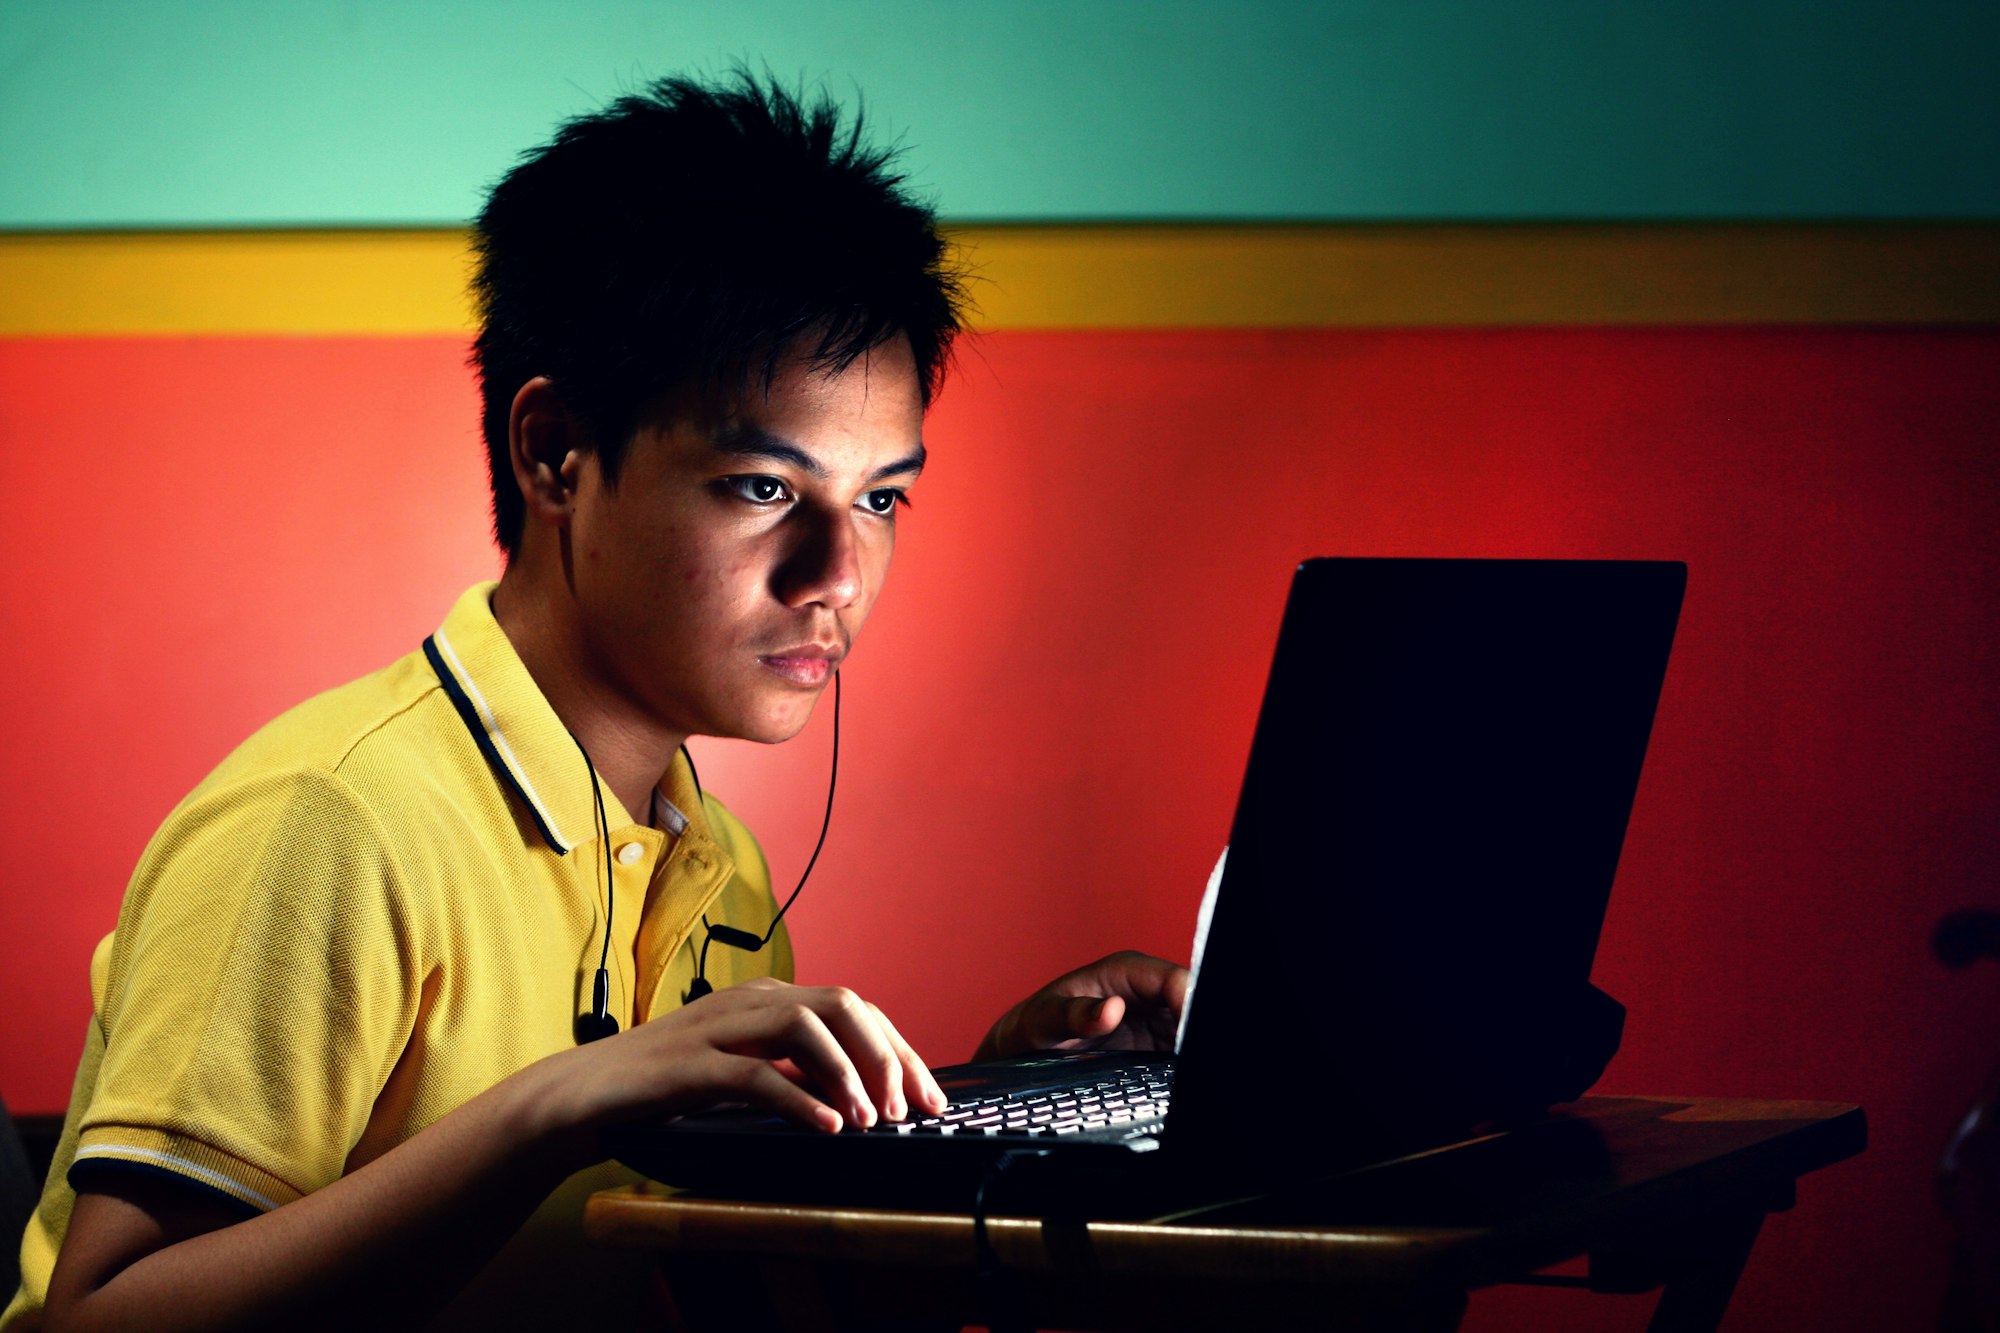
(512, 723)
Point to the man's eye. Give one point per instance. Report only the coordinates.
(884, 500)
(758, 490)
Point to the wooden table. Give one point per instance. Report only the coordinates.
(1654, 1191)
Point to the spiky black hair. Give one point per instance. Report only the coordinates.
(690, 238)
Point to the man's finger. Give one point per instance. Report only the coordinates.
(859, 1028)
(785, 1023)
(1140, 977)
(918, 1086)
(1051, 1020)
(757, 1081)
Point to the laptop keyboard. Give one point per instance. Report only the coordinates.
(1111, 1102)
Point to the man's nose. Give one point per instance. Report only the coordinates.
(825, 566)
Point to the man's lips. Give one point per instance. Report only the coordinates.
(805, 663)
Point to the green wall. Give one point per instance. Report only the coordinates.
(139, 113)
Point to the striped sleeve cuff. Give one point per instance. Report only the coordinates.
(105, 1149)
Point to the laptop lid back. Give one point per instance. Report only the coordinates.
(1423, 850)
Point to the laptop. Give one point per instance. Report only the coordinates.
(1397, 951)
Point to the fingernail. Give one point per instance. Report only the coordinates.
(897, 1110)
(828, 1118)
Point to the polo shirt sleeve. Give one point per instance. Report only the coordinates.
(265, 975)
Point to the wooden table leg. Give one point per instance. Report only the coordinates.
(1704, 1275)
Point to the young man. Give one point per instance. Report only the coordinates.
(339, 1058)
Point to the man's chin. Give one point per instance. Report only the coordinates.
(776, 737)
(775, 727)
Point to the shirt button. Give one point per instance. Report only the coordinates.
(630, 853)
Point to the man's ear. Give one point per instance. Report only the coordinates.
(546, 446)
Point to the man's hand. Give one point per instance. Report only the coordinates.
(1126, 1002)
(819, 1055)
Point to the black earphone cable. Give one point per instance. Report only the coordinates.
(825, 822)
(601, 1023)
(743, 939)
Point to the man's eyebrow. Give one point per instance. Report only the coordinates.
(750, 441)
(746, 440)
(911, 462)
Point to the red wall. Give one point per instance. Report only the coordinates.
(1049, 716)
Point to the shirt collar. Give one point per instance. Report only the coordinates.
(511, 721)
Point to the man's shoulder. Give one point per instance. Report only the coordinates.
(297, 812)
(367, 776)
(344, 730)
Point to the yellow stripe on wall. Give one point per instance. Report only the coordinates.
(388, 283)
(230, 283)
(1493, 274)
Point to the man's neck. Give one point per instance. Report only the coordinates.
(630, 751)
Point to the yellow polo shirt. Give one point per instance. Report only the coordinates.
(383, 903)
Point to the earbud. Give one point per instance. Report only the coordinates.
(601, 1023)
(736, 939)
(598, 1022)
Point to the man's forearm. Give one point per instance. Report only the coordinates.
(411, 1227)
(418, 1222)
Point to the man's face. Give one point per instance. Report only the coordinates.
(722, 579)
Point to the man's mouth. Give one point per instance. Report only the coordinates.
(806, 664)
